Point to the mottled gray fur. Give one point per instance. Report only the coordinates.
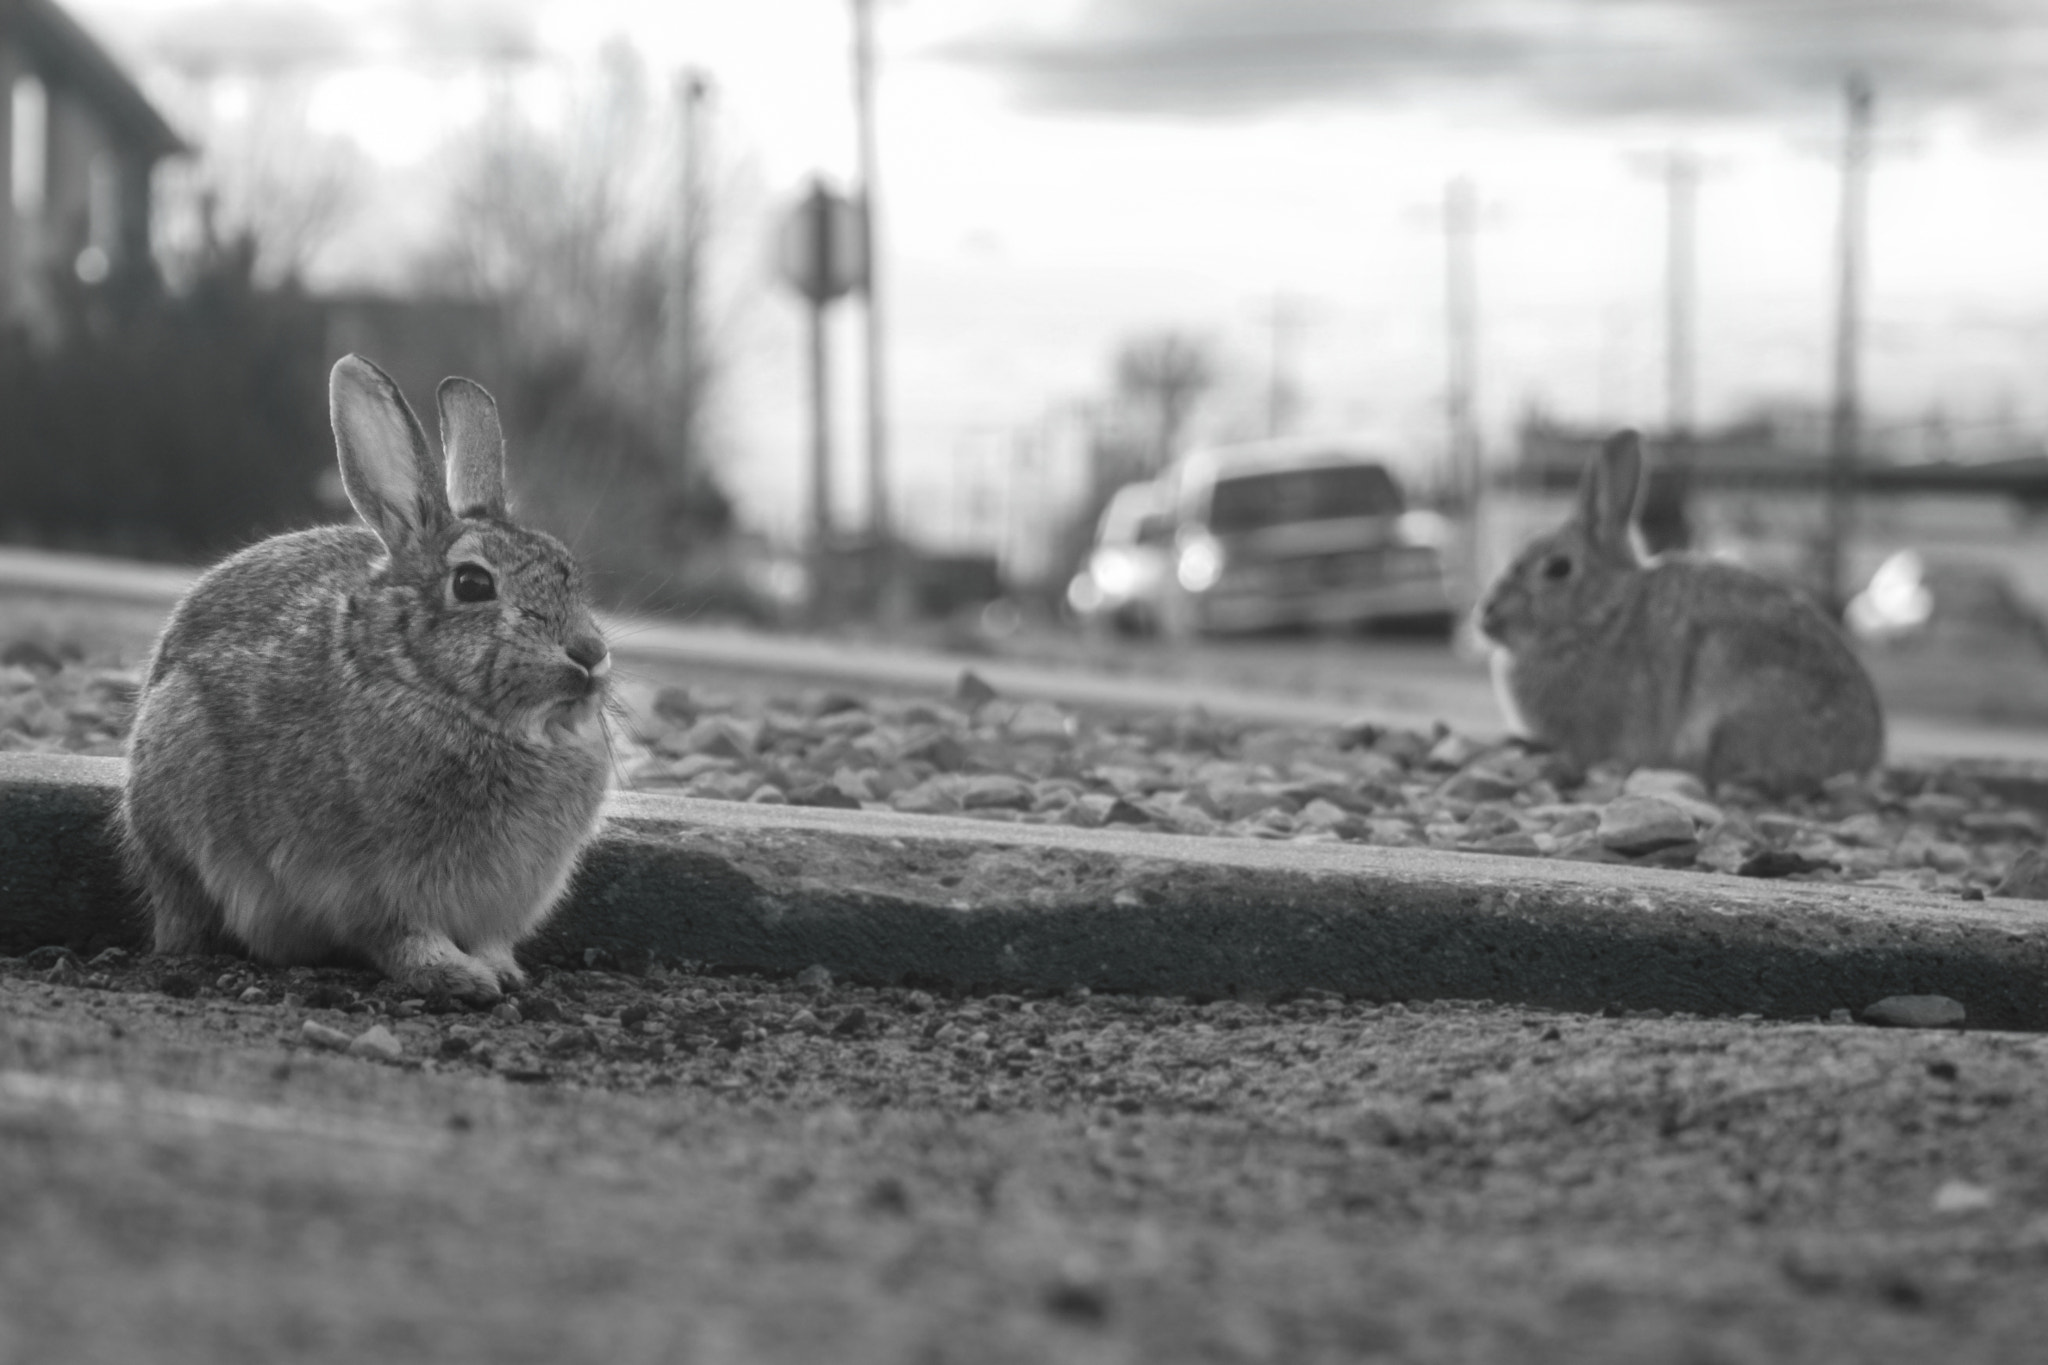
(334, 753)
(1674, 662)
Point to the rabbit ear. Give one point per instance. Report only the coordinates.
(386, 467)
(1607, 493)
(475, 446)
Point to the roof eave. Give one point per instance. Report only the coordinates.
(62, 41)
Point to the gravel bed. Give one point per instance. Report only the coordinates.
(989, 757)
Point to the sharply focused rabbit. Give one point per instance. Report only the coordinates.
(383, 740)
(1676, 662)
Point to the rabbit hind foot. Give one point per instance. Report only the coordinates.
(184, 919)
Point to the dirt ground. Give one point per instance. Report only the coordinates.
(695, 1168)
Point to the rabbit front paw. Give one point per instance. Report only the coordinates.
(498, 959)
(431, 964)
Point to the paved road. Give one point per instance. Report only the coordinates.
(1283, 682)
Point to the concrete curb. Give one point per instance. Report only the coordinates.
(928, 900)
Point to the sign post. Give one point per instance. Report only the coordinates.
(821, 253)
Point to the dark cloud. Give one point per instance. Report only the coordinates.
(497, 30)
(275, 36)
(246, 36)
(1577, 57)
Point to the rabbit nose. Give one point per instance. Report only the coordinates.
(589, 651)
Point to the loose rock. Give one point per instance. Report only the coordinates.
(1664, 782)
(1780, 862)
(1916, 1011)
(539, 1009)
(996, 790)
(2027, 879)
(1455, 751)
(972, 691)
(716, 737)
(32, 655)
(377, 1042)
(1635, 825)
(1961, 1196)
(1040, 721)
(322, 1035)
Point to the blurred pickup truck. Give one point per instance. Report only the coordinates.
(1267, 535)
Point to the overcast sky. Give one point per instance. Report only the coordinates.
(1589, 59)
(1060, 174)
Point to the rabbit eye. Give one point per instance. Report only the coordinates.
(473, 583)
(1557, 567)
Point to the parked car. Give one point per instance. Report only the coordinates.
(1917, 598)
(1124, 579)
(1275, 534)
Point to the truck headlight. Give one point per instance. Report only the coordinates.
(1200, 563)
(1115, 572)
(1421, 527)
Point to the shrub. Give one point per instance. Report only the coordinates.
(165, 426)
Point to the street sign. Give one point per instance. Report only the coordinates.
(820, 251)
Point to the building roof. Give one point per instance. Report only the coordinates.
(65, 53)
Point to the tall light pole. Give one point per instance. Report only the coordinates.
(1845, 414)
(867, 200)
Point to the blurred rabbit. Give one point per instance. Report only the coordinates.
(381, 739)
(1673, 662)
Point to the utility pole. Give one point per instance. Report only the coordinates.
(1845, 415)
(1461, 343)
(1284, 319)
(818, 251)
(1664, 503)
(867, 200)
(685, 320)
(1681, 186)
(815, 205)
(1669, 525)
